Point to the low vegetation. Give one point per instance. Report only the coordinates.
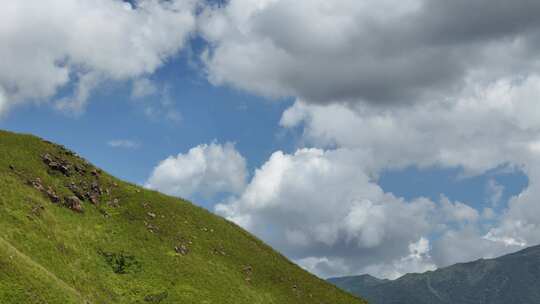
(71, 233)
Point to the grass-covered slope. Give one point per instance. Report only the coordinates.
(118, 243)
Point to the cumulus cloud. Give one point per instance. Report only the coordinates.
(369, 51)
(322, 209)
(493, 126)
(458, 212)
(48, 45)
(496, 126)
(206, 170)
(520, 223)
(328, 213)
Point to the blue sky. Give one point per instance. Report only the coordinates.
(325, 141)
(413, 182)
(207, 114)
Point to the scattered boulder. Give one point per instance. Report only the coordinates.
(219, 251)
(152, 215)
(74, 203)
(63, 168)
(95, 193)
(52, 195)
(37, 184)
(79, 169)
(11, 167)
(248, 269)
(96, 188)
(47, 158)
(114, 203)
(48, 191)
(90, 193)
(59, 165)
(36, 210)
(77, 191)
(181, 249)
(152, 228)
(93, 198)
(248, 272)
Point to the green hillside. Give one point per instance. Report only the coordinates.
(70, 233)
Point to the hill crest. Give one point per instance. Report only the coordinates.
(71, 233)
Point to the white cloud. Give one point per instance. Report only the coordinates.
(467, 244)
(124, 143)
(368, 50)
(320, 207)
(328, 213)
(489, 214)
(507, 241)
(324, 267)
(535, 147)
(489, 127)
(458, 212)
(417, 261)
(206, 170)
(47, 45)
(3, 102)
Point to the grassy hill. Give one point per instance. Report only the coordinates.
(513, 278)
(70, 233)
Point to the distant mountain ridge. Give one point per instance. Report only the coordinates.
(513, 278)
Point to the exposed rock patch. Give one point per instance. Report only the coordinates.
(181, 249)
(248, 273)
(57, 164)
(52, 195)
(219, 251)
(74, 203)
(151, 227)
